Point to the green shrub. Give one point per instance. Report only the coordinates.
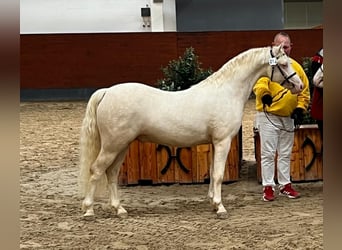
(183, 73)
(306, 64)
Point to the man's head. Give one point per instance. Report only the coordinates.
(284, 38)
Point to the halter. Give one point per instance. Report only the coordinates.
(318, 58)
(320, 67)
(273, 62)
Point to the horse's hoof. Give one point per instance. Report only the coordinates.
(122, 215)
(222, 215)
(89, 217)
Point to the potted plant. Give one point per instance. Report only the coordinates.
(183, 73)
(306, 64)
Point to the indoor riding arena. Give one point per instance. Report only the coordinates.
(167, 206)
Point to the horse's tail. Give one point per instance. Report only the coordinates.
(90, 143)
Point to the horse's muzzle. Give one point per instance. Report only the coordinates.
(297, 88)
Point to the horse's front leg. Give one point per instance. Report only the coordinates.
(220, 157)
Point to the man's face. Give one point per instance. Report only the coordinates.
(287, 44)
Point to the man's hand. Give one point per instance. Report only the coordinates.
(297, 116)
(266, 100)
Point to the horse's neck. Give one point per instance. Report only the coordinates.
(241, 72)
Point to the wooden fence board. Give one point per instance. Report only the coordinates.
(183, 172)
(162, 160)
(306, 158)
(231, 171)
(149, 163)
(203, 156)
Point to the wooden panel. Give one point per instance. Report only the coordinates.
(311, 153)
(257, 153)
(297, 172)
(123, 174)
(130, 169)
(148, 163)
(306, 158)
(203, 155)
(183, 174)
(165, 169)
(232, 171)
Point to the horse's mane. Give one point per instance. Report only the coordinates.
(244, 59)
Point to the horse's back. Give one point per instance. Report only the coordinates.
(138, 111)
(142, 98)
(125, 99)
(132, 91)
(131, 98)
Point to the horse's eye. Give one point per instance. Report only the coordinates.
(283, 62)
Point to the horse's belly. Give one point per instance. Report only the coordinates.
(172, 139)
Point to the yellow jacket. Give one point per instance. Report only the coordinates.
(283, 102)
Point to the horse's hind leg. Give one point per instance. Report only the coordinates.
(98, 168)
(112, 177)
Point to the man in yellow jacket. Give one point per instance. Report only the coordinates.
(278, 112)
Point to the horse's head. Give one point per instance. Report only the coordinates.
(318, 77)
(282, 71)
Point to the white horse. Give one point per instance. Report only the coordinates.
(318, 77)
(208, 112)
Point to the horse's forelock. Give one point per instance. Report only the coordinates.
(283, 59)
(279, 53)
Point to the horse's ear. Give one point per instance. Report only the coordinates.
(277, 49)
(280, 47)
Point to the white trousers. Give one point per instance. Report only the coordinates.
(276, 135)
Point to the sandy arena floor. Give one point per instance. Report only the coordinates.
(160, 217)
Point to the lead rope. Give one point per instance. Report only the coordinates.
(275, 125)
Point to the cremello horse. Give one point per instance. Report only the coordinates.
(208, 112)
(318, 77)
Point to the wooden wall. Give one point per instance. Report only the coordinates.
(99, 60)
(306, 157)
(150, 163)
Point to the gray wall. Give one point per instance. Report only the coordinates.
(229, 15)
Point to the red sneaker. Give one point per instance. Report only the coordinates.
(288, 191)
(268, 193)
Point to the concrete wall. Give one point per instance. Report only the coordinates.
(112, 16)
(94, 16)
(98, 16)
(223, 15)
